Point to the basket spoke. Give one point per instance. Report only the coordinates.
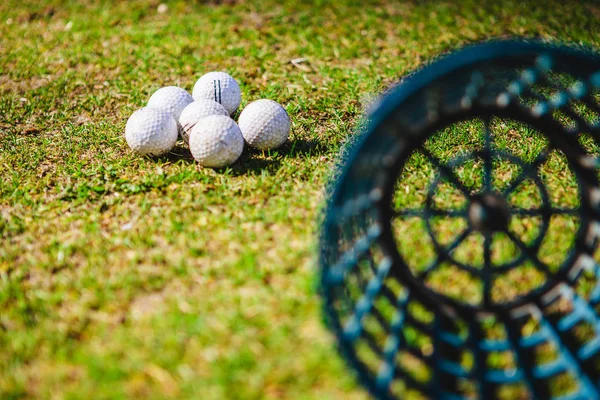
(436, 212)
(443, 253)
(541, 212)
(531, 253)
(539, 160)
(480, 367)
(446, 171)
(487, 154)
(525, 356)
(487, 267)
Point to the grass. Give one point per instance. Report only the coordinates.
(130, 277)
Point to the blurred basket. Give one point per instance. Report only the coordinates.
(457, 252)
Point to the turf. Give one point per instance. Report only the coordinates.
(130, 277)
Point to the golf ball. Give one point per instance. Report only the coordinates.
(150, 131)
(216, 141)
(264, 124)
(220, 87)
(195, 111)
(172, 99)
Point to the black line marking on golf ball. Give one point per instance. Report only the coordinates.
(215, 89)
(220, 99)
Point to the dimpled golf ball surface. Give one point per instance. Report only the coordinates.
(216, 141)
(219, 87)
(150, 131)
(264, 124)
(195, 111)
(172, 99)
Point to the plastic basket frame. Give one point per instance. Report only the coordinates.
(373, 202)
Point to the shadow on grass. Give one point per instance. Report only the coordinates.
(256, 161)
(249, 163)
(302, 147)
(179, 152)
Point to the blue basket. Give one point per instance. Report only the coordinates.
(458, 249)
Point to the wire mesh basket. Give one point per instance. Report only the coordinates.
(458, 249)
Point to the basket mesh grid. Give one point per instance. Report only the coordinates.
(458, 250)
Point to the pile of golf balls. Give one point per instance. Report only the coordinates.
(203, 121)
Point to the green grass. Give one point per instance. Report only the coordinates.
(130, 277)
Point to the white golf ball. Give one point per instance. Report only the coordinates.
(216, 141)
(150, 131)
(220, 87)
(172, 99)
(264, 124)
(195, 111)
